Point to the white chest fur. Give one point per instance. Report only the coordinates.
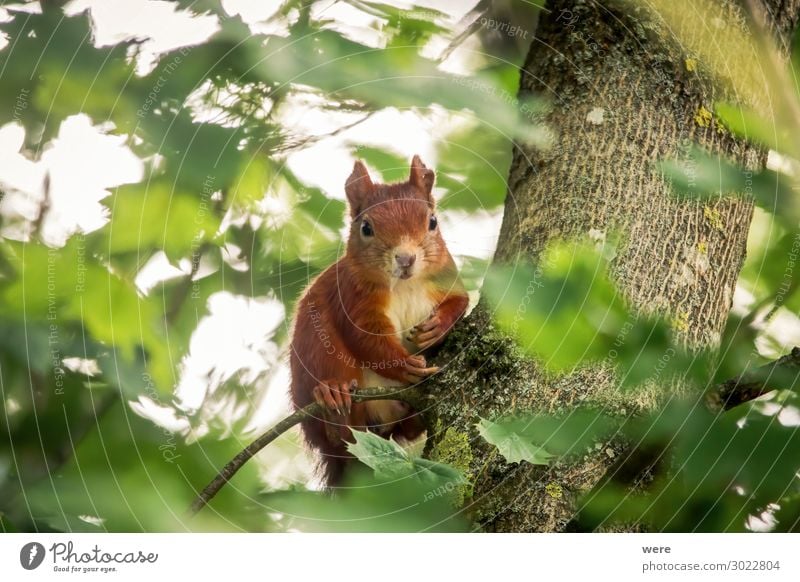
(410, 304)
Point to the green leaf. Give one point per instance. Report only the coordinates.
(304, 239)
(770, 270)
(704, 176)
(513, 443)
(749, 125)
(472, 272)
(473, 168)
(160, 215)
(404, 26)
(199, 155)
(561, 309)
(70, 75)
(565, 434)
(391, 461)
(788, 514)
(384, 456)
(566, 311)
(255, 178)
(69, 287)
(327, 212)
(435, 473)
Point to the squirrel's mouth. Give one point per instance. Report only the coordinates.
(403, 273)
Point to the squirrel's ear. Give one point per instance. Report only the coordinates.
(357, 187)
(421, 176)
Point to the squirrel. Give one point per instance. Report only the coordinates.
(367, 319)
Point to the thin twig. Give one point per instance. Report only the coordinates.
(361, 395)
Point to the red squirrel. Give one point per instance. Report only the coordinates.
(366, 320)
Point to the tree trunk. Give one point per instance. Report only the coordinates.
(624, 96)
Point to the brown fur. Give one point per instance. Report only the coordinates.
(343, 328)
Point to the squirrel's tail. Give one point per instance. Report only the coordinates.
(332, 464)
(333, 455)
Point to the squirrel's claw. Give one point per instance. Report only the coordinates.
(334, 396)
(417, 369)
(428, 339)
(429, 324)
(428, 333)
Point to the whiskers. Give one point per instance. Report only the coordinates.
(433, 254)
(376, 259)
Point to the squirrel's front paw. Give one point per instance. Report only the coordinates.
(428, 333)
(334, 395)
(417, 369)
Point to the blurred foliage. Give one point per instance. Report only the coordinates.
(367, 503)
(686, 468)
(707, 472)
(704, 176)
(566, 310)
(84, 348)
(722, 470)
(700, 470)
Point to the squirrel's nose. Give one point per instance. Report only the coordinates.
(405, 260)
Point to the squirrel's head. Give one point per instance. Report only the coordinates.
(394, 230)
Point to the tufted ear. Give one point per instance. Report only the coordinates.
(422, 177)
(357, 187)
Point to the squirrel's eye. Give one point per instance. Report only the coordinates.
(432, 222)
(366, 228)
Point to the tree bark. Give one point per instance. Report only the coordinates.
(625, 95)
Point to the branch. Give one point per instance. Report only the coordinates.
(782, 374)
(412, 397)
